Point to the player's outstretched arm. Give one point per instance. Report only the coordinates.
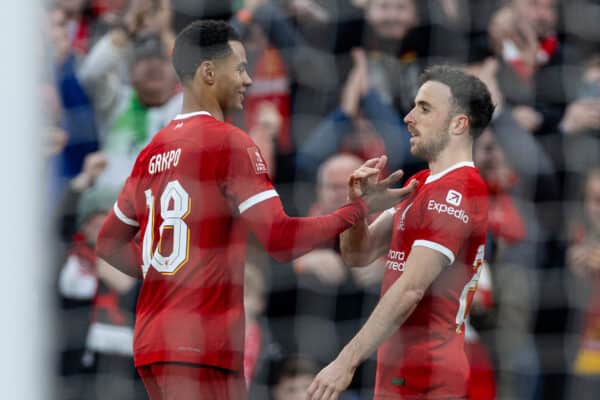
(422, 267)
(286, 238)
(116, 245)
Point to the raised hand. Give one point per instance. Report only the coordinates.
(366, 182)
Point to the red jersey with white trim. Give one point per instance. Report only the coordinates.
(447, 213)
(186, 192)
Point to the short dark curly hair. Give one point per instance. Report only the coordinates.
(198, 42)
(469, 94)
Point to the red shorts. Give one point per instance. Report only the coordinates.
(166, 381)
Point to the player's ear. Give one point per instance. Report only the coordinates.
(207, 72)
(459, 124)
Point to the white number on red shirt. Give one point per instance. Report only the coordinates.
(471, 286)
(175, 205)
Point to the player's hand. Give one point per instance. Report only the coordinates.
(331, 381)
(366, 182)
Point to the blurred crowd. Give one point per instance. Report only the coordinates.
(332, 82)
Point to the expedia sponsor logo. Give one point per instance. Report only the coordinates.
(396, 260)
(453, 197)
(442, 208)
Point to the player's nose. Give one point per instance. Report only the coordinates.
(409, 118)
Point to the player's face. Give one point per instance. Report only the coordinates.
(233, 79)
(429, 120)
(592, 201)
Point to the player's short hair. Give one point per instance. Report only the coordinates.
(469, 94)
(198, 42)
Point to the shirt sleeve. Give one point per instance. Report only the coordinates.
(245, 175)
(450, 213)
(124, 207)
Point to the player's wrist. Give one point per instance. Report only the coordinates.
(349, 357)
(363, 206)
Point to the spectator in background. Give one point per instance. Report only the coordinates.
(81, 23)
(74, 111)
(93, 166)
(524, 36)
(98, 306)
(334, 300)
(523, 216)
(129, 113)
(579, 139)
(259, 348)
(363, 125)
(401, 39)
(583, 258)
(271, 77)
(293, 376)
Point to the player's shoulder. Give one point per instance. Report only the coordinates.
(465, 176)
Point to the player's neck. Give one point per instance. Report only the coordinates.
(193, 103)
(449, 157)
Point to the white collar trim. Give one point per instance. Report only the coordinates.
(192, 114)
(437, 176)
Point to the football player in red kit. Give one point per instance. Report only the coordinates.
(193, 193)
(434, 241)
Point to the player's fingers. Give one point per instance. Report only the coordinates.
(402, 192)
(311, 393)
(330, 394)
(312, 389)
(381, 162)
(316, 389)
(392, 178)
(371, 162)
(365, 172)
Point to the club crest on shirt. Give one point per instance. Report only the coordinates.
(260, 166)
(453, 197)
(401, 224)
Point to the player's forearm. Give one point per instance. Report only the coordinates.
(389, 314)
(125, 257)
(286, 238)
(355, 245)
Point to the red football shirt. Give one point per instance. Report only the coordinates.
(446, 213)
(186, 192)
